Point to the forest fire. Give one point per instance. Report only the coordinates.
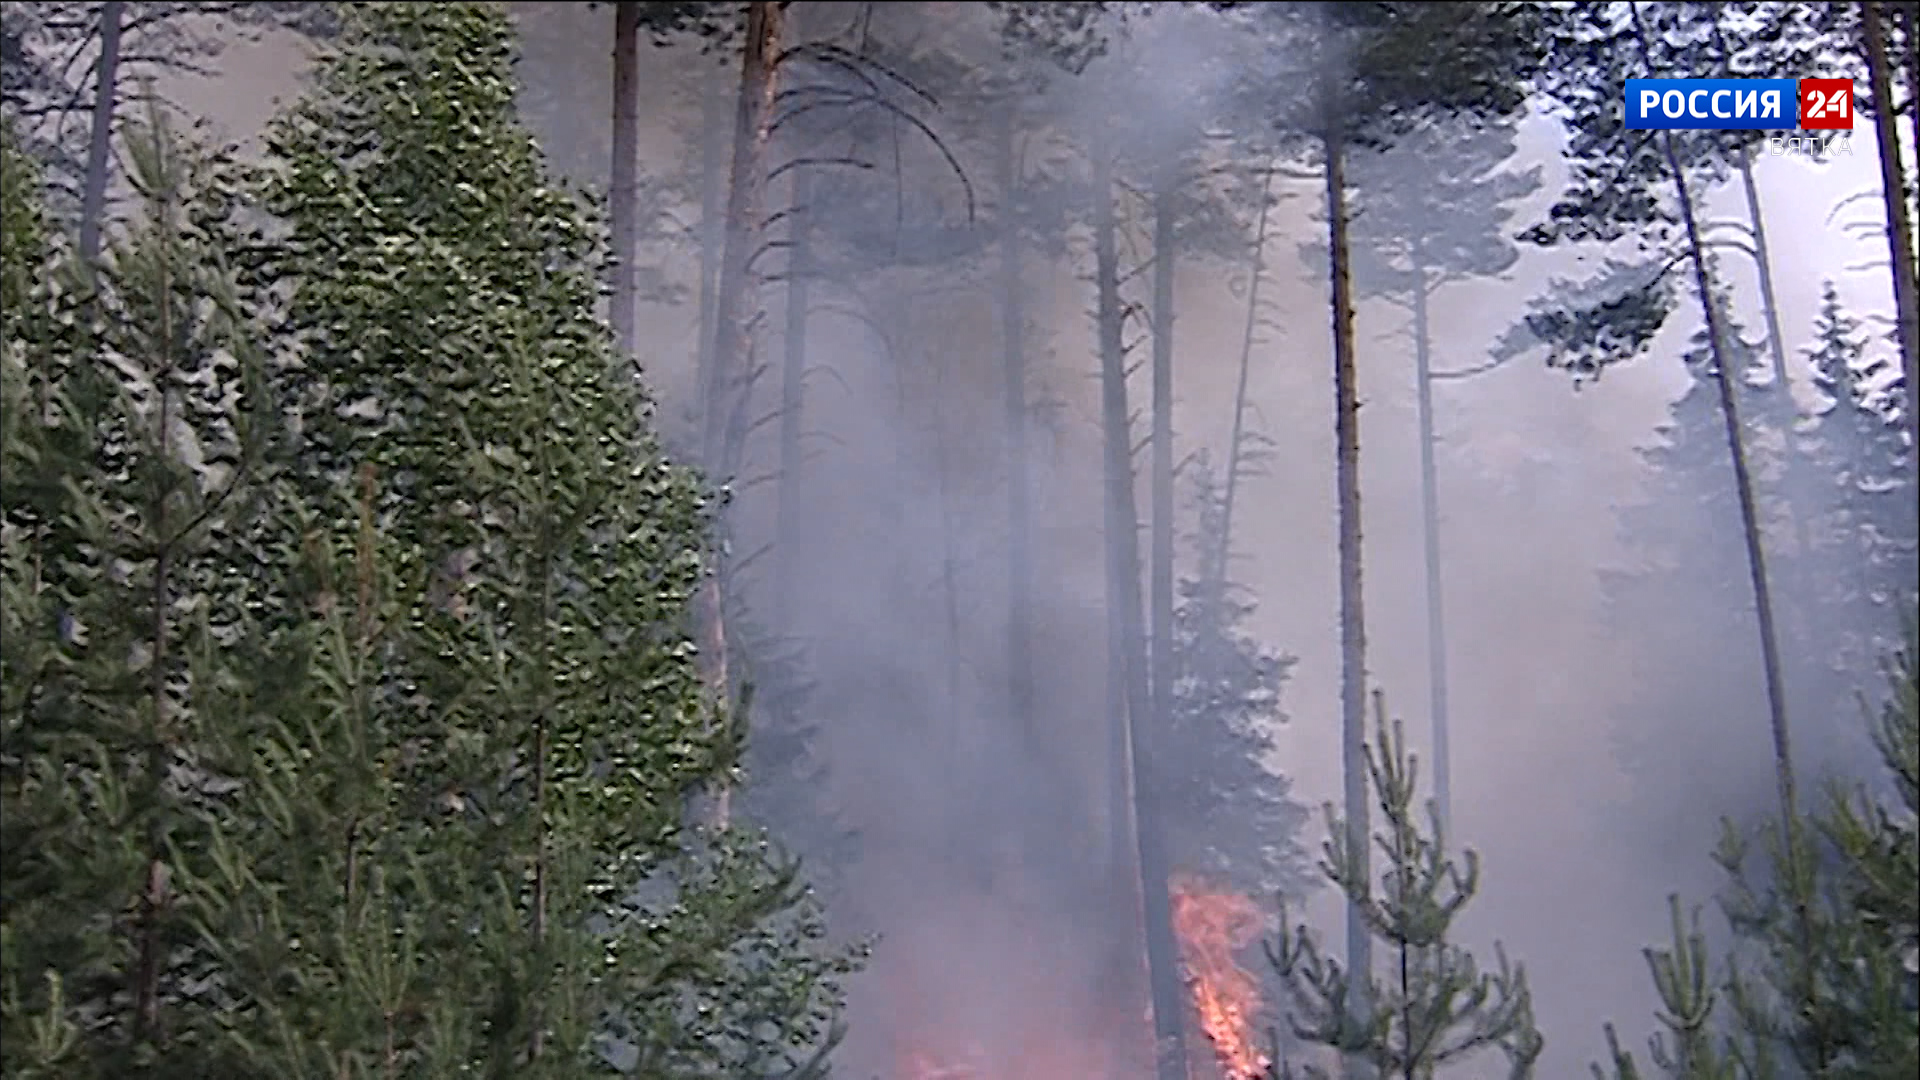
(1211, 927)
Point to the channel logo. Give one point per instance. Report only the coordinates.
(1739, 104)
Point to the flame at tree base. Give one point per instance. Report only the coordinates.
(1212, 926)
(1036, 1038)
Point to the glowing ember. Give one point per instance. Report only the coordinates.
(923, 1066)
(1211, 926)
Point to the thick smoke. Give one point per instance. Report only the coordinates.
(984, 867)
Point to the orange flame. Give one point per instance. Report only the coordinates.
(1211, 926)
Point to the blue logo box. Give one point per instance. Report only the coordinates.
(1713, 104)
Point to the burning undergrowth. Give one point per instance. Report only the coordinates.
(1214, 927)
(1040, 1026)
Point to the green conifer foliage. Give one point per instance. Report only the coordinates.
(132, 432)
(1854, 1012)
(460, 852)
(1433, 1007)
(347, 706)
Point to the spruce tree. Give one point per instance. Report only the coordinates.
(1624, 187)
(1864, 541)
(1230, 817)
(1434, 1007)
(1677, 602)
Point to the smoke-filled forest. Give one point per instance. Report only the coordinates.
(955, 541)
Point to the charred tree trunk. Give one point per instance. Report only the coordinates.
(623, 190)
(106, 97)
(793, 375)
(1165, 986)
(1906, 291)
(1237, 434)
(1430, 521)
(735, 315)
(1013, 333)
(1353, 627)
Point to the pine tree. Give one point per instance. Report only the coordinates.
(1435, 1007)
(135, 423)
(1678, 602)
(1623, 187)
(1855, 1013)
(1689, 1047)
(1410, 241)
(470, 822)
(38, 1036)
(1399, 65)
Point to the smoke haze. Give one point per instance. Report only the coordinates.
(900, 602)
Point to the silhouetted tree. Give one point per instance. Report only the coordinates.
(1398, 65)
(1412, 237)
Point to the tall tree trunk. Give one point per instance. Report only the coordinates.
(1223, 553)
(1763, 266)
(1353, 627)
(735, 304)
(1160, 575)
(1430, 520)
(1757, 224)
(1750, 527)
(949, 743)
(713, 226)
(1776, 349)
(1122, 796)
(1906, 292)
(1013, 343)
(737, 292)
(1769, 307)
(1165, 986)
(1910, 26)
(623, 190)
(793, 375)
(106, 97)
